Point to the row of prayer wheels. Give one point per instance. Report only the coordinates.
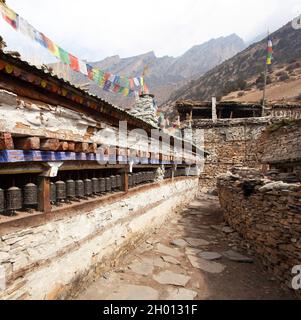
(14, 199)
(141, 177)
(82, 189)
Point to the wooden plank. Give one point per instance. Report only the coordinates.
(71, 146)
(92, 148)
(64, 146)
(30, 143)
(6, 141)
(82, 147)
(44, 204)
(50, 144)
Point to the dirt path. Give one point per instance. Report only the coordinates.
(186, 259)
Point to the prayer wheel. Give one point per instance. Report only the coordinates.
(30, 195)
(79, 189)
(70, 185)
(61, 193)
(13, 199)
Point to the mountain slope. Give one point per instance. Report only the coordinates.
(165, 73)
(241, 71)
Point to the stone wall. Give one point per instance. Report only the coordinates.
(57, 255)
(268, 216)
(282, 142)
(229, 143)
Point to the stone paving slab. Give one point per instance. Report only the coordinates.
(207, 266)
(181, 294)
(168, 277)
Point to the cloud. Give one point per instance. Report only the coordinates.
(94, 29)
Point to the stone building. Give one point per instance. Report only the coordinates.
(229, 132)
(75, 196)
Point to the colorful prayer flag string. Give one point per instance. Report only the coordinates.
(108, 82)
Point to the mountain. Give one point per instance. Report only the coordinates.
(166, 74)
(243, 72)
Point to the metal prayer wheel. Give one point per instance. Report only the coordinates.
(52, 193)
(113, 182)
(95, 186)
(2, 202)
(88, 187)
(130, 180)
(79, 189)
(61, 192)
(13, 199)
(70, 186)
(30, 195)
(102, 182)
(134, 179)
(118, 182)
(108, 185)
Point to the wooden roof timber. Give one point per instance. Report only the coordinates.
(104, 111)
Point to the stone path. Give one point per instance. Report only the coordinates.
(194, 256)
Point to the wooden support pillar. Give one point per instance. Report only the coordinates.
(44, 204)
(125, 179)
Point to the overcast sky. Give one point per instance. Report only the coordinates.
(94, 29)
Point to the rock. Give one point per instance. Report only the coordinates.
(210, 256)
(192, 251)
(207, 266)
(237, 257)
(179, 243)
(133, 292)
(168, 277)
(171, 260)
(197, 242)
(155, 262)
(181, 294)
(168, 251)
(227, 230)
(279, 185)
(142, 268)
(4, 256)
(217, 228)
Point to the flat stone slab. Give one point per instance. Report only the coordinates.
(142, 268)
(179, 243)
(194, 242)
(192, 251)
(207, 266)
(237, 257)
(181, 294)
(155, 262)
(211, 256)
(168, 251)
(133, 292)
(175, 279)
(227, 230)
(171, 260)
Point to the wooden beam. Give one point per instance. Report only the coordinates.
(44, 204)
(6, 141)
(82, 147)
(64, 146)
(31, 143)
(50, 144)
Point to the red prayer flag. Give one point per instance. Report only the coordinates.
(74, 63)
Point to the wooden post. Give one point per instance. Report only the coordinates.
(44, 204)
(125, 179)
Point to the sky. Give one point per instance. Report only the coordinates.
(95, 29)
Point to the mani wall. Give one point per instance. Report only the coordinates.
(59, 254)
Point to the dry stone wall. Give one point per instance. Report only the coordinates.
(267, 215)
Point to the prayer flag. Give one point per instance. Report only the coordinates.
(74, 63)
